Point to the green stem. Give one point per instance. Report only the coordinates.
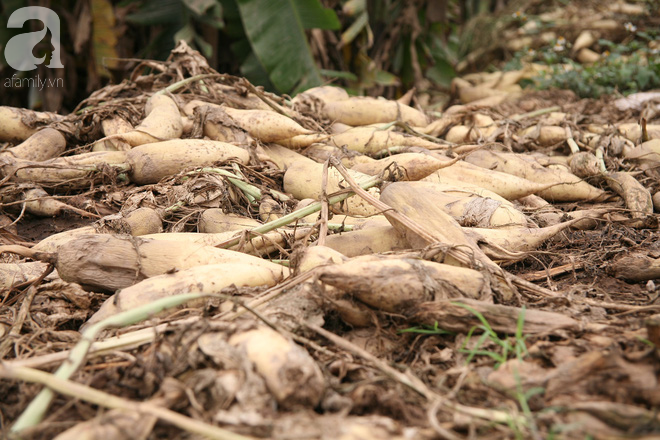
(300, 213)
(331, 226)
(177, 85)
(100, 398)
(174, 208)
(35, 411)
(249, 190)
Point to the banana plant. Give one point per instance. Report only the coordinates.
(274, 44)
(176, 20)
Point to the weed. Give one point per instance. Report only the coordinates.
(645, 341)
(518, 346)
(507, 347)
(426, 330)
(622, 68)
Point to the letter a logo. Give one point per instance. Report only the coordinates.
(18, 51)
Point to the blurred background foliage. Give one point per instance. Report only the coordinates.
(369, 47)
(376, 47)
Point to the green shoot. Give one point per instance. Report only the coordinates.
(506, 346)
(426, 330)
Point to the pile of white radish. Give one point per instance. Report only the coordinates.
(490, 204)
(373, 202)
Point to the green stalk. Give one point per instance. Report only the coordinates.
(174, 208)
(300, 213)
(35, 411)
(177, 85)
(249, 190)
(106, 400)
(332, 226)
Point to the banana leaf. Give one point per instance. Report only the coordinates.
(276, 31)
(157, 13)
